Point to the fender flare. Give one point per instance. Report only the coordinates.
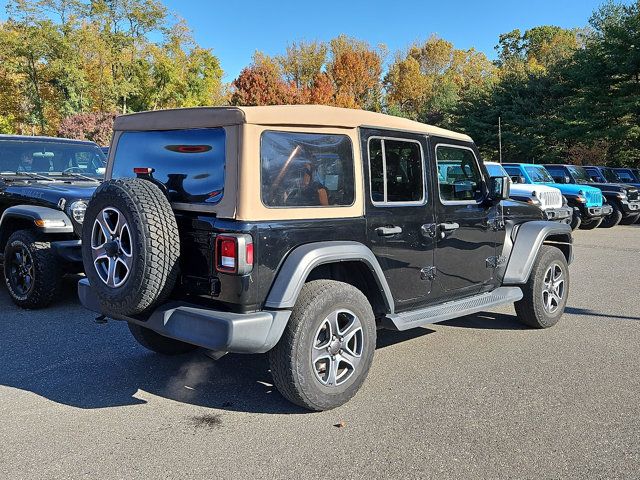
(523, 245)
(302, 260)
(33, 213)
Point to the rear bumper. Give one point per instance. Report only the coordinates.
(256, 332)
(559, 214)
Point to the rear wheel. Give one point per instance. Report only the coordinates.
(325, 353)
(591, 225)
(613, 218)
(32, 271)
(159, 343)
(546, 291)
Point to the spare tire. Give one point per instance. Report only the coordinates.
(130, 246)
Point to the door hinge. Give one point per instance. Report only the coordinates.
(496, 223)
(495, 262)
(428, 273)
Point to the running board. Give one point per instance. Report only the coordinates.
(454, 309)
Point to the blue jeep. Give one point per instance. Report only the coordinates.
(622, 197)
(589, 209)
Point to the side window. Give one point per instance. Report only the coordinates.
(306, 170)
(396, 171)
(625, 176)
(512, 170)
(458, 173)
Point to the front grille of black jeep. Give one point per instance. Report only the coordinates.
(632, 194)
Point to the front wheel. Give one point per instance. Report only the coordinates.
(614, 218)
(325, 353)
(32, 271)
(630, 220)
(593, 224)
(576, 221)
(546, 291)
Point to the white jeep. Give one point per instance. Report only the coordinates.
(549, 199)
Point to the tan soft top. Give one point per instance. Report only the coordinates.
(280, 115)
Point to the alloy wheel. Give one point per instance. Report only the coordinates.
(337, 348)
(111, 247)
(553, 288)
(21, 271)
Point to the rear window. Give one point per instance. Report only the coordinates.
(190, 163)
(306, 169)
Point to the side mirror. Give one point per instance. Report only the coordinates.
(518, 179)
(595, 179)
(499, 188)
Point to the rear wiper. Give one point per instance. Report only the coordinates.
(79, 175)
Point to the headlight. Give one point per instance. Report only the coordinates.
(581, 199)
(622, 195)
(534, 201)
(77, 210)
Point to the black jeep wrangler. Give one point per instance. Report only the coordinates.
(300, 231)
(45, 184)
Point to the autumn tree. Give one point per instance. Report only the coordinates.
(97, 127)
(262, 83)
(355, 70)
(427, 82)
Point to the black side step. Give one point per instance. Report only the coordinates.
(454, 309)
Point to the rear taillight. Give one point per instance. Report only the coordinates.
(234, 254)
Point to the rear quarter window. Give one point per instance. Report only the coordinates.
(306, 170)
(189, 163)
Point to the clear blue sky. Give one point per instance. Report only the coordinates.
(235, 29)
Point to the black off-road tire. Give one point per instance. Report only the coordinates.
(576, 221)
(592, 225)
(630, 220)
(46, 267)
(530, 309)
(159, 343)
(155, 243)
(290, 359)
(614, 218)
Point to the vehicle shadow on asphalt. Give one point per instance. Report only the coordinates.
(591, 313)
(64, 355)
(486, 321)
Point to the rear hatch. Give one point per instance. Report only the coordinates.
(189, 165)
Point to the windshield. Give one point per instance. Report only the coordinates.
(44, 159)
(496, 170)
(190, 163)
(579, 174)
(610, 175)
(539, 175)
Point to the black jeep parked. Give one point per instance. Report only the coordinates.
(45, 184)
(301, 230)
(624, 199)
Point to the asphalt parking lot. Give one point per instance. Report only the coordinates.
(477, 397)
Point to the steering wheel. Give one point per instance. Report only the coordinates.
(72, 168)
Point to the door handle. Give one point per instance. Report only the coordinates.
(387, 231)
(448, 227)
